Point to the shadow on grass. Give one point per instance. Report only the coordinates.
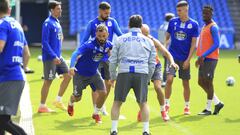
(36, 80)
(187, 118)
(76, 124)
(36, 115)
(227, 120)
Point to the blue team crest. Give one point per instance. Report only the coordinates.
(189, 26)
(109, 23)
(180, 35)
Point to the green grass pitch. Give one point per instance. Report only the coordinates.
(226, 123)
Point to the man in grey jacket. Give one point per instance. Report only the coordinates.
(134, 56)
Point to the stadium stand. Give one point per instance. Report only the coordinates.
(82, 11)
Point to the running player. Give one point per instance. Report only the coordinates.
(53, 62)
(12, 79)
(112, 25)
(134, 56)
(183, 32)
(208, 53)
(87, 58)
(157, 76)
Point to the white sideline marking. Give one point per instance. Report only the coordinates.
(171, 123)
(26, 111)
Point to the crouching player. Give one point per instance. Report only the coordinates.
(87, 58)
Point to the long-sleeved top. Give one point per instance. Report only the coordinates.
(162, 32)
(132, 53)
(52, 37)
(11, 57)
(90, 53)
(112, 26)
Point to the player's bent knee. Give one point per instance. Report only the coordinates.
(76, 98)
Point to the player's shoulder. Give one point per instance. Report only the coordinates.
(95, 20)
(111, 19)
(3, 22)
(48, 22)
(109, 44)
(6, 22)
(194, 22)
(175, 19)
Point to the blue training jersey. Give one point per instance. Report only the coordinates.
(112, 26)
(181, 34)
(91, 53)
(12, 56)
(52, 37)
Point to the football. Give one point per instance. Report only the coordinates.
(230, 81)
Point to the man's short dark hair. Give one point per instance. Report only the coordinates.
(135, 21)
(104, 6)
(182, 3)
(4, 6)
(53, 3)
(208, 7)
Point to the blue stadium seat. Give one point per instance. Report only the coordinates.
(82, 11)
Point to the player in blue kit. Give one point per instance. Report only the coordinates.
(53, 62)
(12, 79)
(112, 25)
(87, 58)
(183, 32)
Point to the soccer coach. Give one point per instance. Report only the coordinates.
(134, 56)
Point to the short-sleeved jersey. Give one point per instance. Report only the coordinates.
(52, 37)
(12, 56)
(91, 53)
(181, 34)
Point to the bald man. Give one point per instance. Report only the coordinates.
(157, 75)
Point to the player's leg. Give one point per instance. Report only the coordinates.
(49, 69)
(106, 76)
(115, 112)
(7, 125)
(140, 88)
(164, 73)
(186, 94)
(168, 88)
(122, 88)
(98, 83)
(10, 94)
(62, 69)
(79, 84)
(211, 65)
(160, 97)
(184, 74)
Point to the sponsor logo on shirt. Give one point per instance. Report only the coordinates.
(97, 57)
(131, 61)
(17, 59)
(180, 35)
(18, 44)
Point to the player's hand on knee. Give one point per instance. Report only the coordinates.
(199, 61)
(57, 61)
(112, 83)
(186, 64)
(175, 66)
(71, 72)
